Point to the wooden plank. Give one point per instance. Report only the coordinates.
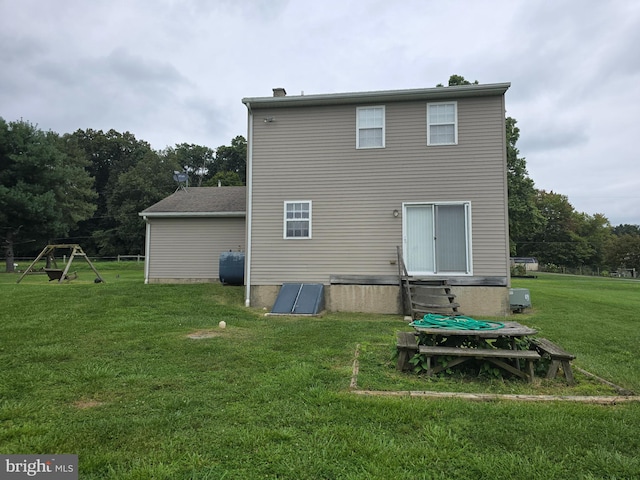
(479, 281)
(434, 294)
(559, 357)
(552, 349)
(467, 281)
(407, 340)
(363, 279)
(492, 355)
(406, 344)
(491, 397)
(617, 388)
(436, 305)
(509, 368)
(440, 368)
(510, 329)
(44, 252)
(339, 279)
(478, 352)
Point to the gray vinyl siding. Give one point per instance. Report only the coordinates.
(310, 154)
(190, 248)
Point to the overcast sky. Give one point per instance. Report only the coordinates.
(175, 71)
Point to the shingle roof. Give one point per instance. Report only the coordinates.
(201, 201)
(383, 96)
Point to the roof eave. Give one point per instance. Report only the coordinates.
(192, 214)
(436, 93)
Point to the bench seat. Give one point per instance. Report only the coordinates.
(407, 345)
(495, 356)
(558, 357)
(56, 274)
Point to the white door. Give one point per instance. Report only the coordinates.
(419, 239)
(436, 239)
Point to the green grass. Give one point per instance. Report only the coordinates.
(108, 372)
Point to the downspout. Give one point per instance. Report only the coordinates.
(506, 193)
(147, 243)
(247, 274)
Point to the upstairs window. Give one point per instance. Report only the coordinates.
(370, 127)
(297, 219)
(442, 123)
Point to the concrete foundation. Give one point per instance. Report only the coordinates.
(264, 296)
(183, 280)
(483, 301)
(364, 298)
(475, 301)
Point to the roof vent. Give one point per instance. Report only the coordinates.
(279, 92)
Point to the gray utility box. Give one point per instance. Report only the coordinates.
(519, 299)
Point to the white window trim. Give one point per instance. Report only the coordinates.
(384, 128)
(285, 219)
(455, 124)
(469, 241)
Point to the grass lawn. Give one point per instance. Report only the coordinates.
(109, 372)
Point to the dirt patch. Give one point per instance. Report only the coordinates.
(200, 334)
(84, 404)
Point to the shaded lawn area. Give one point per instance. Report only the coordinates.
(108, 372)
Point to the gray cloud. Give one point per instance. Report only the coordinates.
(174, 71)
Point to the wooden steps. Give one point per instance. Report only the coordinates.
(423, 295)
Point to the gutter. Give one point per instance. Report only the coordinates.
(191, 214)
(147, 246)
(422, 94)
(249, 214)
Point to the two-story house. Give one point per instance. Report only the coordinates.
(335, 183)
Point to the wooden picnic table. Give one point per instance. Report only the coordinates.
(511, 330)
(459, 354)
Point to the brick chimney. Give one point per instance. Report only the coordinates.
(279, 92)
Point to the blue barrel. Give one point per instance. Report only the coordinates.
(231, 268)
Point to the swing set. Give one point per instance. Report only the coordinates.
(57, 273)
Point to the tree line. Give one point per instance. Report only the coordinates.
(546, 226)
(88, 187)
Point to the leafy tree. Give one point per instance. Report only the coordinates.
(458, 80)
(224, 179)
(596, 230)
(199, 162)
(626, 229)
(623, 249)
(624, 252)
(558, 241)
(130, 176)
(524, 217)
(144, 184)
(45, 189)
(233, 158)
(110, 154)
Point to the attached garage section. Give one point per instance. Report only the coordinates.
(183, 250)
(187, 232)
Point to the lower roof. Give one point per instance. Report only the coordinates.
(201, 202)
